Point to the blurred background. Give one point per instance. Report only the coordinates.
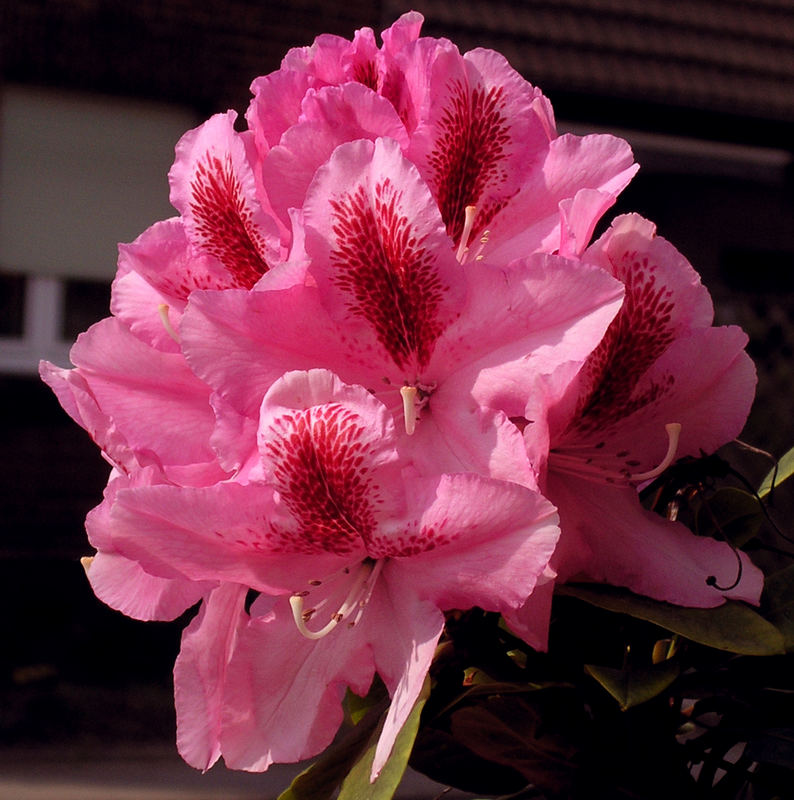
(93, 96)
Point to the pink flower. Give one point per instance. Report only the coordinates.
(661, 385)
(370, 552)
(385, 304)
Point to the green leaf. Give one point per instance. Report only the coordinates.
(321, 779)
(779, 597)
(630, 687)
(732, 626)
(785, 469)
(731, 513)
(357, 786)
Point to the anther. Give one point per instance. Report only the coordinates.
(673, 435)
(162, 310)
(408, 394)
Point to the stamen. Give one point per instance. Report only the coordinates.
(673, 434)
(162, 310)
(468, 223)
(357, 597)
(408, 394)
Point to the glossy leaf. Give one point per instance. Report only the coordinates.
(630, 687)
(785, 469)
(357, 785)
(732, 626)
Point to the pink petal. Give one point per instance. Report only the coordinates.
(607, 536)
(329, 451)
(478, 542)
(485, 128)
(283, 697)
(381, 258)
(531, 620)
(558, 311)
(531, 223)
(329, 118)
(220, 532)
(200, 675)
(124, 585)
(275, 105)
(404, 632)
(152, 397)
(214, 187)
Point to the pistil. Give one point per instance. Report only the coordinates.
(468, 223)
(409, 395)
(162, 310)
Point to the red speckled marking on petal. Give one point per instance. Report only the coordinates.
(390, 278)
(468, 155)
(640, 333)
(224, 222)
(409, 543)
(319, 466)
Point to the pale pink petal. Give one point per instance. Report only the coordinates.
(213, 185)
(124, 585)
(608, 537)
(283, 697)
(381, 257)
(404, 632)
(531, 223)
(330, 117)
(200, 675)
(478, 542)
(557, 311)
(578, 217)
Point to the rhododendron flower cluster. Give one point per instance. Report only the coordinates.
(374, 371)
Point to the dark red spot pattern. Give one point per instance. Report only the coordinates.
(319, 463)
(389, 277)
(366, 72)
(469, 154)
(223, 221)
(640, 333)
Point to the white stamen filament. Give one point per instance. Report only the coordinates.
(162, 310)
(468, 223)
(408, 394)
(357, 597)
(673, 434)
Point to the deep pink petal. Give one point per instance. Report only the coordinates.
(381, 257)
(531, 620)
(608, 537)
(200, 675)
(485, 127)
(214, 187)
(151, 396)
(283, 698)
(329, 451)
